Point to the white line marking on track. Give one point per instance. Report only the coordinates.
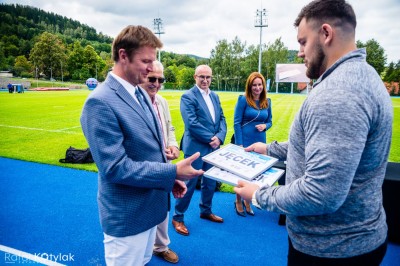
(41, 129)
(29, 256)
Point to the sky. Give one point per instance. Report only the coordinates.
(195, 27)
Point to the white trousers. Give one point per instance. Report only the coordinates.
(135, 250)
(162, 238)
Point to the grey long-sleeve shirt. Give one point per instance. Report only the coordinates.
(336, 160)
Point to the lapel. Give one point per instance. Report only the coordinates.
(202, 102)
(164, 119)
(128, 99)
(216, 106)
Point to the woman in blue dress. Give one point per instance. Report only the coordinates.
(253, 117)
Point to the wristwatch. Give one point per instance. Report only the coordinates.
(254, 200)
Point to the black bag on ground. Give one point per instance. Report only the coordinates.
(73, 155)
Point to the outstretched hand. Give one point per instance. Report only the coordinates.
(245, 189)
(258, 147)
(184, 169)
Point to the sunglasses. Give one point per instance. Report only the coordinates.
(154, 79)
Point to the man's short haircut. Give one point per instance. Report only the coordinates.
(132, 38)
(201, 67)
(337, 12)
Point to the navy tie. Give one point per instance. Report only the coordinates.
(145, 107)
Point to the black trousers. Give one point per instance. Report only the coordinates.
(373, 258)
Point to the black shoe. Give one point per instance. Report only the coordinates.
(249, 211)
(282, 219)
(243, 214)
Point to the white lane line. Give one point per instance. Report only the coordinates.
(41, 129)
(70, 128)
(28, 256)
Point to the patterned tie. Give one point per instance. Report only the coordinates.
(145, 107)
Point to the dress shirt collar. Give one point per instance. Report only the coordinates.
(204, 92)
(124, 83)
(129, 87)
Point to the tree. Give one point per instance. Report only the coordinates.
(91, 61)
(48, 54)
(218, 59)
(22, 67)
(186, 61)
(226, 61)
(169, 75)
(375, 54)
(3, 59)
(74, 61)
(392, 73)
(186, 78)
(277, 53)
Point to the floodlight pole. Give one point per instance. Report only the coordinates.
(158, 29)
(62, 75)
(260, 21)
(37, 77)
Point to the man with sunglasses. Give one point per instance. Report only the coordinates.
(155, 79)
(205, 131)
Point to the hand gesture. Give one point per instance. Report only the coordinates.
(184, 169)
(258, 147)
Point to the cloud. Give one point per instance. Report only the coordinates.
(195, 27)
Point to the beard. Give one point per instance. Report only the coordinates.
(315, 65)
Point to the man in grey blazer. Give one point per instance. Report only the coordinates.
(135, 178)
(205, 131)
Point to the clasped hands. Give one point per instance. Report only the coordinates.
(215, 143)
(261, 127)
(172, 153)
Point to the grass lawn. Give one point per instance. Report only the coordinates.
(40, 126)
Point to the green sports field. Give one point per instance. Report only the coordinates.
(40, 126)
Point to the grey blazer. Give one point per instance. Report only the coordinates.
(134, 179)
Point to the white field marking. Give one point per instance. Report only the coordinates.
(69, 128)
(29, 256)
(41, 129)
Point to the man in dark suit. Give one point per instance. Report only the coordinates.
(125, 139)
(205, 131)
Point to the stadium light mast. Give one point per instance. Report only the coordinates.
(260, 22)
(158, 29)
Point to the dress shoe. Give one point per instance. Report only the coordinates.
(167, 255)
(248, 208)
(180, 227)
(240, 213)
(212, 217)
(282, 219)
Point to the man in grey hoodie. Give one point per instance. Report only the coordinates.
(337, 150)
